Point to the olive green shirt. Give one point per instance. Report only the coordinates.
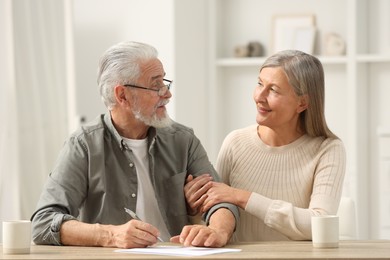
(94, 178)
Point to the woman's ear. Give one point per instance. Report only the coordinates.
(303, 103)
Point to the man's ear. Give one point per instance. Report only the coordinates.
(303, 103)
(120, 94)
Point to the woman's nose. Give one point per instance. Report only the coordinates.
(260, 94)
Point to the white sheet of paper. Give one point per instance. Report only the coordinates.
(178, 250)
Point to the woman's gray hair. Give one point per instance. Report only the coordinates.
(306, 75)
(120, 65)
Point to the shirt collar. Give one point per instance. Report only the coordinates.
(152, 132)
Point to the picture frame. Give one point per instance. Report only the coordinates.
(293, 32)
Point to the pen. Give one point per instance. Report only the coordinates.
(134, 216)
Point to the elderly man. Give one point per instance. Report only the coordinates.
(134, 157)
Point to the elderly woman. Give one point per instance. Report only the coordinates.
(287, 167)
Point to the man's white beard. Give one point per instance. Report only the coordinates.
(164, 121)
(154, 121)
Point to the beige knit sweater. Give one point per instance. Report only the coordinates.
(289, 183)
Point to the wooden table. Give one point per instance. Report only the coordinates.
(378, 249)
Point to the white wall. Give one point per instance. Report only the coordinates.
(191, 50)
(8, 155)
(33, 100)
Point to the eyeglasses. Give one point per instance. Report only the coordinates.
(161, 91)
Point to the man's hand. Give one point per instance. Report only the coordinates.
(216, 234)
(195, 191)
(200, 235)
(133, 234)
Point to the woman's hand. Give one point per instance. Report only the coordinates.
(195, 191)
(220, 192)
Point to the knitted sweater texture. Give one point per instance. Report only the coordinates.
(289, 183)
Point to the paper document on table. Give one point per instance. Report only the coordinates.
(178, 250)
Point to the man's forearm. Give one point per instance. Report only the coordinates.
(224, 222)
(78, 233)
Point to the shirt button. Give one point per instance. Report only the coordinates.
(131, 165)
(133, 195)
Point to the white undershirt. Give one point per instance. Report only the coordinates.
(147, 208)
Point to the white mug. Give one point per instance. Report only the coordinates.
(16, 237)
(325, 231)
